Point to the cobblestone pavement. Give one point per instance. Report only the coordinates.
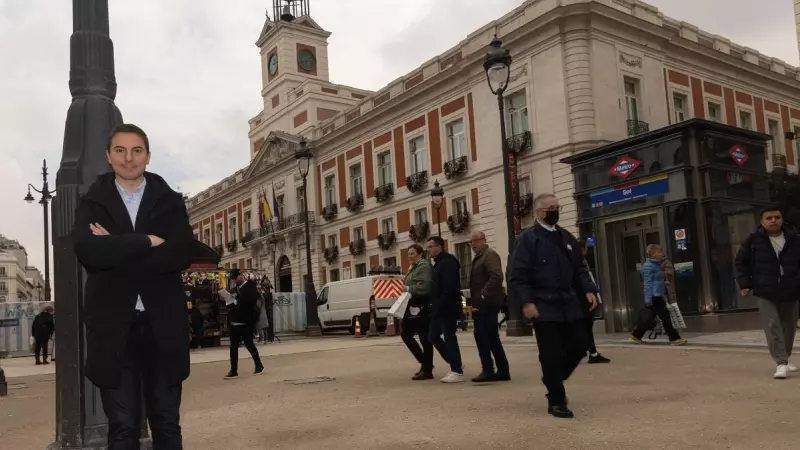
(649, 397)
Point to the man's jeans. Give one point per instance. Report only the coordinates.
(447, 347)
(487, 338)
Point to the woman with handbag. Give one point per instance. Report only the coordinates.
(655, 301)
(416, 320)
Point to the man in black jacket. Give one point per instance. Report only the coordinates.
(42, 331)
(546, 271)
(445, 308)
(133, 238)
(768, 266)
(243, 316)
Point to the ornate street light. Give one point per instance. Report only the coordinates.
(437, 195)
(497, 64)
(46, 196)
(273, 248)
(303, 154)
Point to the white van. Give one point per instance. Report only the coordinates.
(340, 302)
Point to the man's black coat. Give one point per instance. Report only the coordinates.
(758, 267)
(445, 298)
(245, 309)
(123, 265)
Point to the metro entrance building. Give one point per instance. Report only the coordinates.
(696, 188)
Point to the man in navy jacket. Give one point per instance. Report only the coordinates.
(446, 308)
(546, 272)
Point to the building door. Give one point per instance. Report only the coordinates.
(284, 275)
(634, 245)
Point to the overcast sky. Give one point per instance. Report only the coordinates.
(188, 73)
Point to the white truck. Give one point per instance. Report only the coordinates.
(340, 302)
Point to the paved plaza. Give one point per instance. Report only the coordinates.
(708, 396)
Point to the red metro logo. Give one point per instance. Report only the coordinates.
(738, 154)
(624, 167)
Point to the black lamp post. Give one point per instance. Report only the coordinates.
(47, 195)
(498, 72)
(304, 156)
(273, 248)
(437, 194)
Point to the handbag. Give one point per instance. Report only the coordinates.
(398, 309)
(675, 315)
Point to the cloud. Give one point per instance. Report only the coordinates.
(189, 73)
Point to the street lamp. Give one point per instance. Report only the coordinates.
(498, 73)
(437, 194)
(304, 156)
(47, 195)
(273, 248)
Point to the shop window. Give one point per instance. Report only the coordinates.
(684, 255)
(735, 184)
(716, 149)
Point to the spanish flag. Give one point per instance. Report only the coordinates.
(266, 211)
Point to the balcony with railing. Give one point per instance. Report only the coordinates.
(417, 181)
(455, 167)
(458, 222)
(355, 202)
(330, 254)
(520, 142)
(357, 247)
(419, 231)
(386, 240)
(637, 127)
(232, 245)
(779, 163)
(329, 212)
(295, 222)
(385, 192)
(220, 249)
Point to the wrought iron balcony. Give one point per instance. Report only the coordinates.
(279, 225)
(329, 212)
(455, 167)
(386, 240)
(355, 202)
(458, 222)
(220, 249)
(385, 192)
(331, 253)
(525, 205)
(417, 181)
(419, 231)
(779, 162)
(636, 127)
(520, 142)
(357, 247)
(231, 246)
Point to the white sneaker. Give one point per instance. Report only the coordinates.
(453, 377)
(792, 367)
(781, 372)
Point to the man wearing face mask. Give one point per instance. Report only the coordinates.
(546, 272)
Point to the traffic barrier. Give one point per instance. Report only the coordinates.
(357, 333)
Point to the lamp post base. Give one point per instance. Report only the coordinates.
(518, 328)
(313, 332)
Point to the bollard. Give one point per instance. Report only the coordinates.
(390, 329)
(357, 333)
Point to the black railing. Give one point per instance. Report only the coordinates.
(520, 142)
(386, 240)
(330, 254)
(458, 222)
(357, 247)
(329, 212)
(355, 202)
(417, 181)
(419, 231)
(278, 225)
(636, 127)
(385, 192)
(231, 246)
(455, 167)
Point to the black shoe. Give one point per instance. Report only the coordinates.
(502, 377)
(38, 363)
(598, 359)
(231, 375)
(423, 375)
(560, 411)
(45, 362)
(484, 378)
(259, 370)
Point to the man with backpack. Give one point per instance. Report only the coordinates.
(243, 315)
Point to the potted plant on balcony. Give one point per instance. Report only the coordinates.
(220, 249)
(415, 182)
(455, 167)
(329, 212)
(458, 223)
(231, 246)
(355, 202)
(386, 240)
(357, 247)
(385, 192)
(330, 254)
(419, 232)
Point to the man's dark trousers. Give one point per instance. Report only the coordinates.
(242, 334)
(418, 326)
(448, 348)
(561, 348)
(487, 338)
(123, 405)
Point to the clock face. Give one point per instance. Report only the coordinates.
(273, 64)
(307, 60)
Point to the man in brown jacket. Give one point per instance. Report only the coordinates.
(486, 295)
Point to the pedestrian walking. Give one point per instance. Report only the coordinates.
(133, 238)
(588, 314)
(768, 266)
(197, 324)
(243, 315)
(546, 272)
(655, 298)
(416, 320)
(42, 331)
(486, 293)
(446, 308)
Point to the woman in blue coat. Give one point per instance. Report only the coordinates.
(655, 298)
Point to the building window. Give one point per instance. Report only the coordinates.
(249, 263)
(234, 265)
(3, 286)
(248, 221)
(384, 168)
(460, 205)
(631, 99)
(390, 262)
(330, 190)
(456, 139)
(680, 103)
(355, 179)
(524, 186)
(220, 234)
(232, 230)
(2, 271)
(196, 238)
(387, 225)
(358, 233)
(335, 275)
(419, 157)
(464, 257)
(420, 216)
(207, 237)
(361, 270)
(517, 106)
(714, 112)
(745, 120)
(775, 132)
(280, 211)
(332, 241)
(300, 199)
